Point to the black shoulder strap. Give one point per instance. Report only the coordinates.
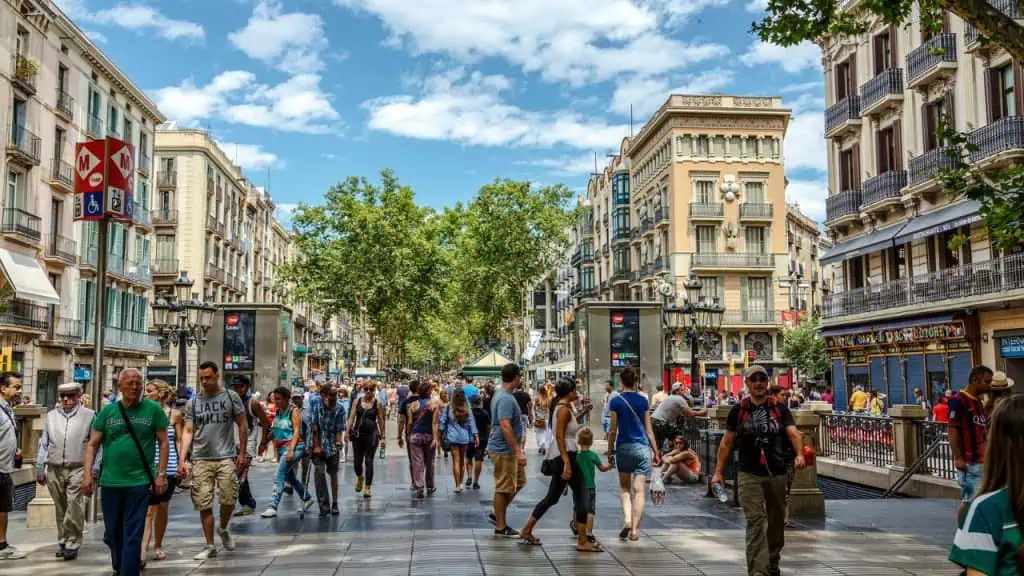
(147, 466)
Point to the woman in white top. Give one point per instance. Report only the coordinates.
(563, 451)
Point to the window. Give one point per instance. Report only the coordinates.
(754, 237)
(757, 294)
(856, 269)
(883, 52)
(165, 247)
(711, 287)
(706, 239)
(927, 33)
(888, 156)
(56, 219)
(702, 146)
(62, 78)
(1002, 95)
(129, 131)
(112, 116)
(21, 46)
(845, 79)
(754, 191)
(705, 192)
(935, 114)
(897, 262)
(847, 174)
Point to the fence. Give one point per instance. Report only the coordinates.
(857, 438)
(940, 463)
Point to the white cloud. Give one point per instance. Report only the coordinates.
(567, 165)
(757, 5)
(804, 138)
(293, 42)
(250, 156)
(645, 95)
(575, 41)
(803, 87)
(134, 16)
(469, 109)
(295, 105)
(810, 195)
(284, 212)
(803, 56)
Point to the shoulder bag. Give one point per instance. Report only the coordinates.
(146, 465)
(638, 419)
(552, 466)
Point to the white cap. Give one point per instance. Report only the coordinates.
(69, 387)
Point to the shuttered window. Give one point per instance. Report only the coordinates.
(894, 376)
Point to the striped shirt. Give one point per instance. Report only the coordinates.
(967, 418)
(988, 539)
(172, 459)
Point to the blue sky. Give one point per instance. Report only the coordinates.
(448, 93)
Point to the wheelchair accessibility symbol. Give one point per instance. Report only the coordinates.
(93, 203)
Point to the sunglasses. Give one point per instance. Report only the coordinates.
(69, 395)
(758, 378)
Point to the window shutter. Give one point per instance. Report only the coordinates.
(897, 139)
(853, 76)
(945, 21)
(1018, 87)
(894, 53)
(83, 301)
(926, 132)
(880, 160)
(879, 54)
(855, 162)
(950, 108)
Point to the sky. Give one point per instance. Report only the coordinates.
(449, 94)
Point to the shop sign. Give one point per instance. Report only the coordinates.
(1011, 347)
(857, 357)
(908, 335)
(82, 374)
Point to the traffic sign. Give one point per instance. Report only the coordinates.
(120, 179)
(89, 180)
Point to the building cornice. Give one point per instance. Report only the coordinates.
(711, 107)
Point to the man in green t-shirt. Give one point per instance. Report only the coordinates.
(126, 475)
(988, 539)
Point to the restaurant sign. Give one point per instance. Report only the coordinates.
(898, 336)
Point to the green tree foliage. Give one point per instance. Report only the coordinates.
(804, 349)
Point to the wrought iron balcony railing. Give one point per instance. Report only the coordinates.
(930, 165)
(885, 186)
(755, 210)
(22, 224)
(733, 260)
(65, 104)
(61, 248)
(845, 203)
(841, 112)
(25, 314)
(706, 210)
(888, 83)
(941, 49)
(1000, 136)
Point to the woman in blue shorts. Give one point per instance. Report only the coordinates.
(635, 449)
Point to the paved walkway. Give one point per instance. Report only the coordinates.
(448, 534)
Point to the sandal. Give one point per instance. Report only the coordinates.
(159, 555)
(633, 536)
(624, 533)
(528, 540)
(589, 547)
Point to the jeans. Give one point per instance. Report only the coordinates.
(322, 469)
(286, 473)
(580, 495)
(422, 461)
(364, 450)
(124, 519)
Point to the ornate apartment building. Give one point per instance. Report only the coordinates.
(911, 306)
(807, 282)
(548, 346)
(698, 191)
(61, 90)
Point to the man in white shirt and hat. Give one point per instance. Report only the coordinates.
(60, 465)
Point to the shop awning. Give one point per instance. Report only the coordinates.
(567, 366)
(922, 321)
(872, 242)
(28, 278)
(301, 349)
(947, 218)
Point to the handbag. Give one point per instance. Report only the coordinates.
(552, 466)
(138, 446)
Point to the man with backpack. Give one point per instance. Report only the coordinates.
(765, 434)
(255, 414)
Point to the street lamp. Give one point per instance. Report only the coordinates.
(183, 321)
(699, 318)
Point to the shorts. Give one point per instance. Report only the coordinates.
(210, 476)
(509, 476)
(462, 446)
(592, 501)
(968, 480)
(157, 499)
(664, 431)
(606, 424)
(477, 453)
(633, 459)
(6, 492)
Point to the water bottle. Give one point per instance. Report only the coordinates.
(382, 452)
(720, 493)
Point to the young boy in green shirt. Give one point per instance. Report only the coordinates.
(589, 462)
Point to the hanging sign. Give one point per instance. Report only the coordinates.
(89, 180)
(120, 180)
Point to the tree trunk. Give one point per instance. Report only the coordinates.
(992, 24)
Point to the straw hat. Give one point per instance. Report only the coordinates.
(1000, 381)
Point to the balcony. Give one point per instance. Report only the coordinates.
(604, 286)
(587, 257)
(634, 235)
(1010, 8)
(647, 271)
(144, 163)
(927, 167)
(23, 147)
(931, 60)
(95, 128)
(166, 179)
(577, 257)
(1000, 139)
(165, 267)
(221, 229)
(635, 276)
(732, 260)
(750, 316)
(139, 273)
(211, 223)
(990, 281)
(65, 105)
(605, 250)
(842, 117)
(141, 217)
(660, 265)
(646, 226)
(22, 226)
(25, 72)
(25, 315)
(214, 272)
(62, 176)
(62, 331)
(661, 218)
(881, 92)
(163, 218)
(620, 235)
(841, 206)
(706, 211)
(123, 339)
(883, 190)
(756, 211)
(59, 249)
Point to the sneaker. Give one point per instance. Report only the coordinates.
(269, 513)
(11, 553)
(226, 540)
(60, 553)
(334, 510)
(206, 553)
(492, 519)
(245, 511)
(507, 532)
(359, 484)
(307, 503)
(469, 482)
(476, 486)
(420, 495)
(367, 492)
(774, 571)
(70, 555)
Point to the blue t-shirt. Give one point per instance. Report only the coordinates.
(471, 391)
(631, 428)
(504, 407)
(403, 393)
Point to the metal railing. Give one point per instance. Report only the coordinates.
(211, 270)
(115, 264)
(930, 165)
(969, 280)
(733, 260)
(1000, 136)
(857, 438)
(62, 248)
(144, 162)
(1010, 8)
(691, 428)
(64, 330)
(646, 225)
(165, 266)
(65, 103)
(22, 223)
(25, 314)
(843, 111)
(63, 173)
(95, 126)
(123, 338)
(25, 72)
(141, 216)
(706, 210)
(755, 210)
(751, 316)
(167, 178)
(163, 217)
(846, 203)
(139, 272)
(888, 83)
(941, 48)
(885, 186)
(621, 234)
(25, 142)
(659, 214)
(939, 463)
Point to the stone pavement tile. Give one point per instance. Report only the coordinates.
(674, 567)
(722, 569)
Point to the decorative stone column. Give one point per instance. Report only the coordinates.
(806, 498)
(904, 435)
(31, 420)
(719, 414)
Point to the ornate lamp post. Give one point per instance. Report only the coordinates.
(699, 318)
(183, 321)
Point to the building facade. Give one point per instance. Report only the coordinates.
(548, 349)
(904, 248)
(62, 90)
(698, 191)
(804, 287)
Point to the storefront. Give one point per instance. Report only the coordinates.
(931, 353)
(1010, 345)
